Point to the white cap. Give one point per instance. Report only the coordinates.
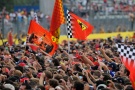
(10, 86)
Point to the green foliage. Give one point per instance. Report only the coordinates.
(9, 4)
(6, 3)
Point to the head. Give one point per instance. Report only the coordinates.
(78, 85)
(53, 83)
(112, 66)
(48, 75)
(25, 86)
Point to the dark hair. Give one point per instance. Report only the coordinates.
(78, 85)
(56, 62)
(48, 74)
(53, 83)
(129, 88)
(127, 72)
(41, 87)
(27, 86)
(106, 77)
(119, 86)
(6, 89)
(78, 68)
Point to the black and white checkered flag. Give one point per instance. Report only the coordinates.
(127, 53)
(69, 26)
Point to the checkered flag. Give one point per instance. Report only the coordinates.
(127, 54)
(69, 26)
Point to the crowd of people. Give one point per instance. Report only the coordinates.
(87, 65)
(110, 6)
(20, 16)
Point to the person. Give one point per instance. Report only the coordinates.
(10, 37)
(78, 86)
(132, 19)
(88, 66)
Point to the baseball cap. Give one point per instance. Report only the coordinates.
(112, 65)
(22, 64)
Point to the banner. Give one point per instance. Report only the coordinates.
(57, 19)
(41, 38)
(77, 27)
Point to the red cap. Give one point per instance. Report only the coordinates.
(23, 79)
(22, 64)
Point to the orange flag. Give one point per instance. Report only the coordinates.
(57, 19)
(77, 27)
(10, 38)
(41, 37)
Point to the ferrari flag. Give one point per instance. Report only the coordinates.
(57, 19)
(41, 38)
(77, 27)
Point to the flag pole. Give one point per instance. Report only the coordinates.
(68, 45)
(67, 39)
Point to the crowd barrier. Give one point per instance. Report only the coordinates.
(91, 36)
(101, 36)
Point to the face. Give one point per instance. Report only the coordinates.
(22, 87)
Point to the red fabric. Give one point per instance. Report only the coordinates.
(129, 64)
(81, 28)
(43, 37)
(57, 19)
(10, 38)
(73, 63)
(23, 79)
(77, 56)
(34, 47)
(133, 36)
(22, 64)
(96, 63)
(57, 16)
(91, 58)
(132, 79)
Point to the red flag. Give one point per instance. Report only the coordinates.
(41, 37)
(10, 38)
(127, 54)
(130, 65)
(132, 78)
(80, 28)
(33, 47)
(57, 19)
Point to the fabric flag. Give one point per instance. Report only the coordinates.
(77, 27)
(57, 19)
(127, 54)
(41, 37)
(10, 38)
(33, 47)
